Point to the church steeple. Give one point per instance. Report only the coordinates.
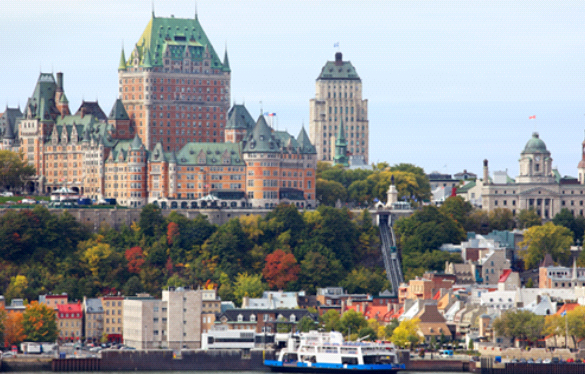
(340, 157)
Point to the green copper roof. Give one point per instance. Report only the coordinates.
(226, 61)
(260, 139)
(118, 111)
(41, 104)
(146, 59)
(122, 65)
(338, 69)
(340, 157)
(239, 118)
(535, 145)
(176, 38)
(305, 143)
(219, 154)
(63, 99)
(136, 143)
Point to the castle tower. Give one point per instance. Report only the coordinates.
(338, 97)
(174, 86)
(137, 181)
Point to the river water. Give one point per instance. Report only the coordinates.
(228, 372)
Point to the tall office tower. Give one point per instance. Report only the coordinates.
(174, 86)
(338, 99)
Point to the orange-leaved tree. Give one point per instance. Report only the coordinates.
(13, 329)
(281, 268)
(39, 322)
(135, 258)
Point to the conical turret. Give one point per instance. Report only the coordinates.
(122, 65)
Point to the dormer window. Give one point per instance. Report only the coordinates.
(240, 318)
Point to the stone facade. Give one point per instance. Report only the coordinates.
(338, 102)
(538, 187)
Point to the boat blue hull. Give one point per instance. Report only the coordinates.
(304, 367)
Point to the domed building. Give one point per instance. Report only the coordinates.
(538, 187)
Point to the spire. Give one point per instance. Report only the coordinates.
(153, 9)
(146, 59)
(122, 65)
(226, 61)
(341, 147)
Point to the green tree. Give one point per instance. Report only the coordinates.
(328, 192)
(306, 324)
(363, 280)
(548, 238)
(501, 219)
(151, 222)
(527, 218)
(330, 320)
(519, 324)
(133, 286)
(319, 271)
(457, 208)
(247, 285)
(426, 230)
(13, 170)
(39, 323)
(575, 224)
(230, 244)
(407, 333)
(351, 322)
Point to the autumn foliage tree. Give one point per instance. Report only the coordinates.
(281, 269)
(39, 323)
(135, 258)
(13, 329)
(172, 232)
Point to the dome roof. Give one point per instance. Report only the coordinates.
(535, 145)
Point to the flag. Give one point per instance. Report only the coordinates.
(532, 117)
(336, 45)
(271, 114)
(564, 313)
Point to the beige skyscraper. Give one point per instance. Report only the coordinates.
(338, 99)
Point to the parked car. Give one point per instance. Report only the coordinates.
(28, 201)
(8, 354)
(7, 194)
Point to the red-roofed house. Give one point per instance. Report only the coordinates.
(69, 321)
(509, 280)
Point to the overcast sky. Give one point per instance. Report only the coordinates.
(448, 83)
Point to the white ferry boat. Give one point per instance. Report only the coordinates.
(318, 352)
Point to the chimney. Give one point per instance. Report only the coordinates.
(60, 82)
(485, 172)
(338, 59)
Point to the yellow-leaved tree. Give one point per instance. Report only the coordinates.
(407, 334)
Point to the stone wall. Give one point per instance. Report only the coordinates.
(534, 353)
(218, 360)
